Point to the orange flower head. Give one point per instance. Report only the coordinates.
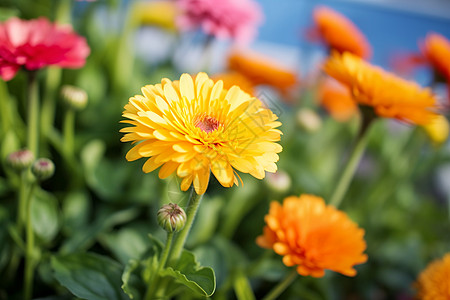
(259, 69)
(339, 33)
(234, 78)
(389, 95)
(434, 282)
(313, 236)
(337, 100)
(194, 128)
(436, 49)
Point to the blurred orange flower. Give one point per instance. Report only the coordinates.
(434, 282)
(436, 49)
(260, 69)
(339, 33)
(234, 78)
(337, 100)
(389, 95)
(313, 236)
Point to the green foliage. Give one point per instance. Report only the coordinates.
(89, 276)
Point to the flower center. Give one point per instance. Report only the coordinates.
(206, 123)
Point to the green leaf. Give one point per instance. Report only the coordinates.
(89, 276)
(76, 209)
(138, 273)
(200, 280)
(242, 287)
(45, 215)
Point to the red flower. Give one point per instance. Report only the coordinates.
(35, 44)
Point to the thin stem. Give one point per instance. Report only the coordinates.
(21, 211)
(162, 262)
(282, 286)
(33, 113)
(49, 104)
(5, 110)
(69, 129)
(191, 211)
(29, 259)
(352, 164)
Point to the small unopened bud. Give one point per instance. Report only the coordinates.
(308, 120)
(43, 168)
(171, 217)
(279, 182)
(74, 97)
(20, 160)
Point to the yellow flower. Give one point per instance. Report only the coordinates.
(158, 13)
(437, 130)
(194, 128)
(434, 282)
(313, 236)
(389, 95)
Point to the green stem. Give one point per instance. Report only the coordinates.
(191, 211)
(29, 258)
(282, 286)
(352, 164)
(162, 262)
(33, 113)
(21, 211)
(5, 110)
(49, 104)
(69, 129)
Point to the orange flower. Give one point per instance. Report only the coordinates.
(260, 69)
(436, 49)
(233, 78)
(337, 100)
(389, 95)
(434, 282)
(313, 236)
(340, 33)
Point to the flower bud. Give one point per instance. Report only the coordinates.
(43, 168)
(308, 120)
(20, 160)
(279, 182)
(171, 217)
(74, 97)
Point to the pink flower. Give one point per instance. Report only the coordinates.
(37, 43)
(236, 19)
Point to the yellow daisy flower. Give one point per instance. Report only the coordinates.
(389, 95)
(194, 128)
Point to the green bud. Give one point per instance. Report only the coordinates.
(43, 168)
(171, 217)
(74, 97)
(20, 160)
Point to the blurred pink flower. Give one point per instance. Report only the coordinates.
(37, 43)
(236, 19)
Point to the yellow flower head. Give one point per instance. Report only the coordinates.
(434, 282)
(194, 128)
(437, 130)
(160, 13)
(313, 236)
(389, 95)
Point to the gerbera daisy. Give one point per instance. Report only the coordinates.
(235, 19)
(438, 130)
(339, 33)
(194, 128)
(434, 282)
(262, 70)
(38, 43)
(389, 95)
(313, 236)
(436, 49)
(337, 100)
(159, 13)
(234, 78)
